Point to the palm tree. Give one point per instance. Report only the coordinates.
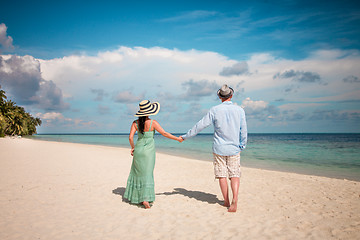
(2, 95)
(2, 125)
(14, 120)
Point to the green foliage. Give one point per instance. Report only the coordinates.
(14, 120)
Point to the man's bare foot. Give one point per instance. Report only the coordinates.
(226, 204)
(146, 204)
(233, 207)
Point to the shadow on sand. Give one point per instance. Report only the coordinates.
(200, 196)
(119, 191)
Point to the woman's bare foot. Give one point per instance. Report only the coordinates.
(226, 204)
(146, 204)
(233, 207)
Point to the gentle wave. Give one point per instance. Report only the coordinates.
(331, 155)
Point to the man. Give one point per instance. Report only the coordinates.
(230, 137)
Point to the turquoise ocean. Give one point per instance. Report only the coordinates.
(329, 155)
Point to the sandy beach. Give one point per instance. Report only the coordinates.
(52, 190)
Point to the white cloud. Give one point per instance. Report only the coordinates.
(297, 106)
(51, 119)
(171, 76)
(50, 116)
(351, 79)
(100, 94)
(299, 76)
(336, 115)
(143, 69)
(259, 110)
(237, 69)
(21, 77)
(5, 41)
(327, 72)
(334, 54)
(128, 97)
(254, 106)
(198, 89)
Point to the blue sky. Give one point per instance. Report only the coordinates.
(84, 66)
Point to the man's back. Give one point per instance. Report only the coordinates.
(230, 128)
(229, 122)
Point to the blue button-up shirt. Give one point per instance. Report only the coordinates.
(230, 130)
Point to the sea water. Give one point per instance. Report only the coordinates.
(330, 155)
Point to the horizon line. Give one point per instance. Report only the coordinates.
(199, 133)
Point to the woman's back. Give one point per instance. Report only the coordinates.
(148, 129)
(148, 125)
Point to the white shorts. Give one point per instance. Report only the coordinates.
(227, 166)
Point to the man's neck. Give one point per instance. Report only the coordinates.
(226, 100)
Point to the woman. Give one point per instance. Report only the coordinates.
(140, 184)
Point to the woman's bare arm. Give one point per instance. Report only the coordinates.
(131, 137)
(158, 128)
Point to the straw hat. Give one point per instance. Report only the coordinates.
(147, 108)
(225, 91)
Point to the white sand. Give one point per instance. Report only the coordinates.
(51, 190)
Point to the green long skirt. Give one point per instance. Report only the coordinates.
(140, 184)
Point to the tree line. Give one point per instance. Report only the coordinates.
(14, 120)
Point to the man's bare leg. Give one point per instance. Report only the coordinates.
(235, 183)
(224, 190)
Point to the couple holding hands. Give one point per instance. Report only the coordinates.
(230, 137)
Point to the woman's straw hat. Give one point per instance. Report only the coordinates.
(147, 108)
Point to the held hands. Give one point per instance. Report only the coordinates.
(179, 139)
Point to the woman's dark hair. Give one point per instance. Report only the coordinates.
(142, 124)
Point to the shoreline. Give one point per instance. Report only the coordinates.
(308, 170)
(304, 169)
(57, 190)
